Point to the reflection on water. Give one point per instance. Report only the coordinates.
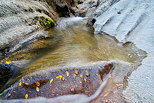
(75, 45)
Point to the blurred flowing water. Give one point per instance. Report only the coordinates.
(74, 45)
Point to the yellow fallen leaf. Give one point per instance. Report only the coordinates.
(60, 76)
(26, 96)
(37, 89)
(67, 73)
(76, 72)
(8, 62)
(74, 75)
(94, 63)
(20, 84)
(51, 80)
(37, 84)
(63, 79)
(81, 76)
(87, 74)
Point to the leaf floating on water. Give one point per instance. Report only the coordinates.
(94, 63)
(8, 62)
(37, 89)
(51, 80)
(26, 96)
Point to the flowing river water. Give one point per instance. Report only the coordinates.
(74, 45)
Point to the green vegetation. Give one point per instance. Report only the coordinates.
(47, 23)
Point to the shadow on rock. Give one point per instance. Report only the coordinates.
(7, 73)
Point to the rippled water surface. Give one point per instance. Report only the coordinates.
(73, 46)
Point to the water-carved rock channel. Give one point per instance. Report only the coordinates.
(72, 61)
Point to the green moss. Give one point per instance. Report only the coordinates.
(46, 22)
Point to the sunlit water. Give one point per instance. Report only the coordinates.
(74, 46)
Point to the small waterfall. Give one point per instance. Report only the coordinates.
(67, 22)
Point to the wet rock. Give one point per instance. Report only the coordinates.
(82, 80)
(4, 52)
(63, 8)
(24, 42)
(110, 89)
(5, 74)
(63, 11)
(78, 98)
(86, 8)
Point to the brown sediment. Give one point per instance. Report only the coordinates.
(57, 83)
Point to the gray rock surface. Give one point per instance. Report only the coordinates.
(132, 20)
(17, 19)
(86, 7)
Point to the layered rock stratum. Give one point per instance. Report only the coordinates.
(131, 21)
